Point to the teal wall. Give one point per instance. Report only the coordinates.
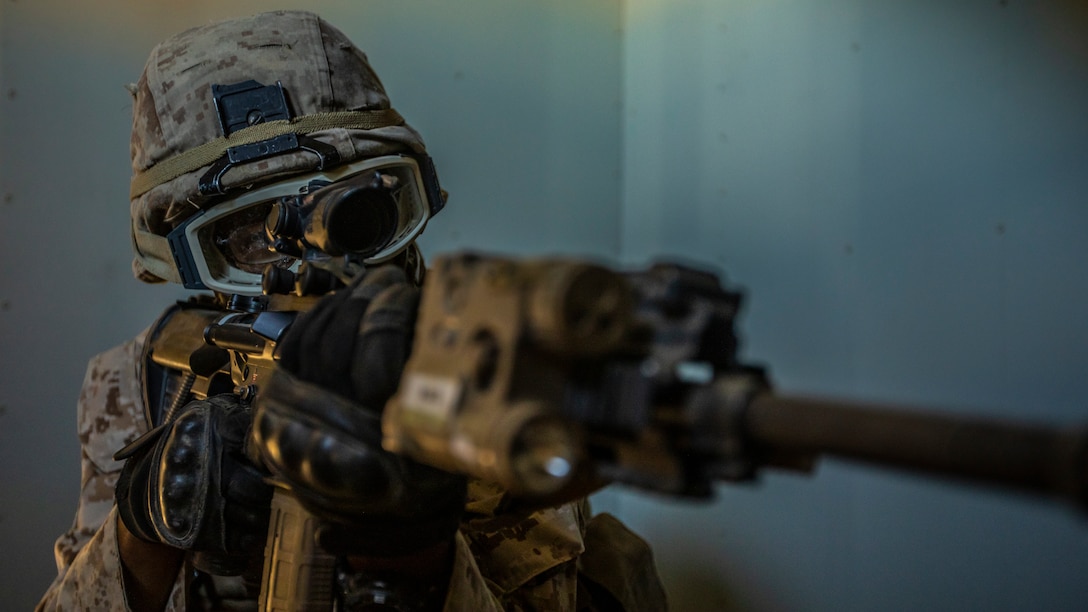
(900, 186)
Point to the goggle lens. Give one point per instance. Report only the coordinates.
(241, 239)
(368, 211)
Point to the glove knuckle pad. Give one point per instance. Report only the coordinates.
(184, 478)
(189, 489)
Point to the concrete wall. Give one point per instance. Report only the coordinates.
(900, 186)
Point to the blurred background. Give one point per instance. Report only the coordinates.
(900, 187)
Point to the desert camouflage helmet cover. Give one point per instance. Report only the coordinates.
(333, 93)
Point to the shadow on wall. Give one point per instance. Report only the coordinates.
(693, 587)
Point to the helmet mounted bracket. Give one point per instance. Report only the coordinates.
(249, 103)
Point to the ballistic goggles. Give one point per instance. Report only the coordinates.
(365, 212)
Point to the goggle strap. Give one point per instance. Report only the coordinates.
(209, 152)
(154, 254)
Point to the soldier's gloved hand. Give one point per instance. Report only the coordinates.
(318, 424)
(188, 484)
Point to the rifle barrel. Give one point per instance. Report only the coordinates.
(1032, 458)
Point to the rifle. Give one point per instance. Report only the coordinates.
(232, 348)
(554, 377)
(549, 375)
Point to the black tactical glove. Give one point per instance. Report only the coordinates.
(189, 485)
(318, 423)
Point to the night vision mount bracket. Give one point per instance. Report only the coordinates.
(249, 103)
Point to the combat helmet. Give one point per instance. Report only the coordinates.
(264, 142)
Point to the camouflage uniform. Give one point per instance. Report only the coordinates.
(502, 562)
